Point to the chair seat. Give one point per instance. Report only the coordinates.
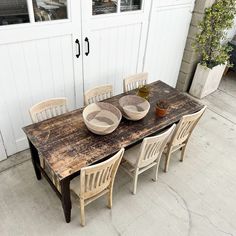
(131, 155)
(174, 148)
(75, 185)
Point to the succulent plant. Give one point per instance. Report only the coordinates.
(163, 104)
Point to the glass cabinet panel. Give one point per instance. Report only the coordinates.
(130, 5)
(104, 6)
(13, 12)
(47, 10)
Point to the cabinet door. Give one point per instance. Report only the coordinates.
(114, 34)
(166, 39)
(3, 154)
(38, 61)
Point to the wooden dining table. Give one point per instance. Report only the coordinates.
(66, 145)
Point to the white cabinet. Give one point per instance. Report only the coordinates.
(168, 30)
(32, 71)
(79, 45)
(3, 154)
(116, 41)
(37, 62)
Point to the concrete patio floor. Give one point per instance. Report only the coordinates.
(196, 197)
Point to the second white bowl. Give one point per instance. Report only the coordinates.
(134, 107)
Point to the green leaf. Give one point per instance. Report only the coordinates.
(216, 21)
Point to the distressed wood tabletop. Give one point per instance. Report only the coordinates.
(67, 145)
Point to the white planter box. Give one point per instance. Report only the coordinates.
(206, 80)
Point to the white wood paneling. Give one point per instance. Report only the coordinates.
(33, 71)
(37, 61)
(165, 3)
(117, 45)
(3, 154)
(114, 54)
(166, 40)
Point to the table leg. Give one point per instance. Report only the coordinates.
(35, 159)
(65, 198)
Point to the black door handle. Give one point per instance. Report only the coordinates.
(87, 41)
(77, 41)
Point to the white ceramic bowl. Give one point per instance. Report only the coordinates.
(134, 107)
(101, 118)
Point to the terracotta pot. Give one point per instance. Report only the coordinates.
(161, 112)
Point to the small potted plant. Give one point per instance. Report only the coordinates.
(212, 48)
(144, 91)
(162, 108)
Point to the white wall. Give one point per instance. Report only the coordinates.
(168, 31)
(232, 32)
(2, 150)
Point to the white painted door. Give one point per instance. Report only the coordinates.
(168, 30)
(38, 61)
(115, 33)
(3, 154)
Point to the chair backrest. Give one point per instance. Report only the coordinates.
(152, 148)
(96, 178)
(135, 81)
(98, 94)
(185, 127)
(48, 109)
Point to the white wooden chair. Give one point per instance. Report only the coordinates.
(181, 135)
(145, 156)
(95, 181)
(48, 109)
(98, 94)
(135, 81)
(45, 110)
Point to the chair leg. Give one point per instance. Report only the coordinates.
(156, 173)
(82, 214)
(183, 153)
(167, 160)
(135, 182)
(110, 198)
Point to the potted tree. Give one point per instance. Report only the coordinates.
(211, 47)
